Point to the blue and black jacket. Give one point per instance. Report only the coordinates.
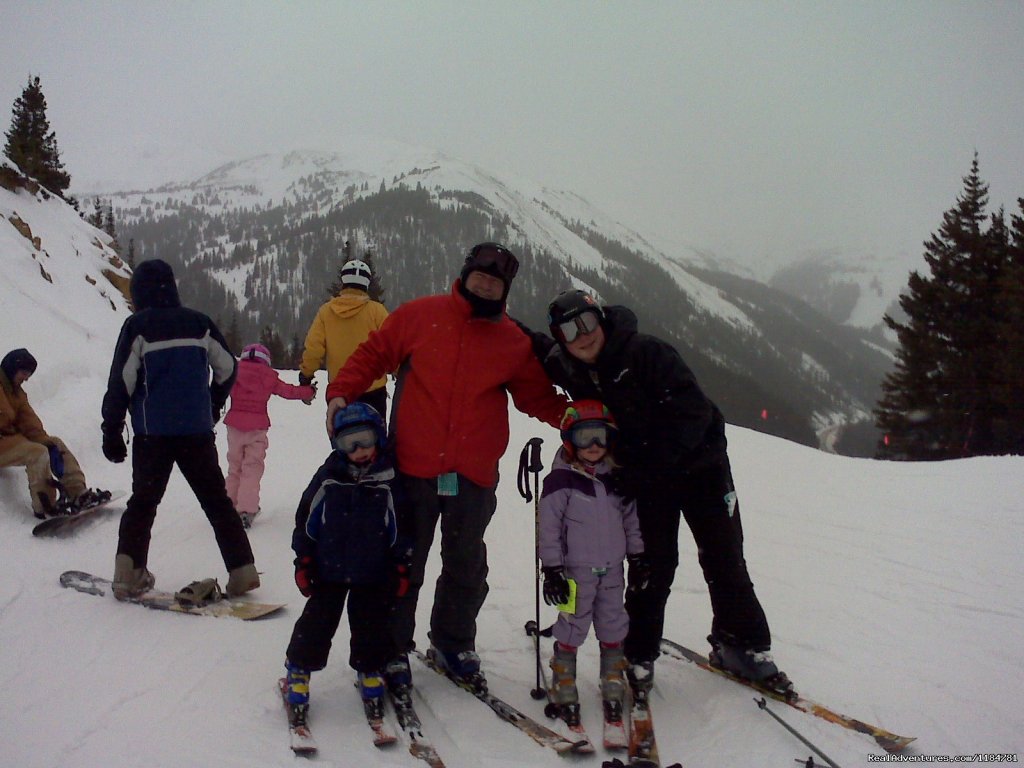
(354, 522)
(162, 363)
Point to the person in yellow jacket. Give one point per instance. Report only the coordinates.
(341, 325)
(25, 443)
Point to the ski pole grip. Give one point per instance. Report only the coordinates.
(535, 465)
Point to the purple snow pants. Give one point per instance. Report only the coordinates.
(598, 602)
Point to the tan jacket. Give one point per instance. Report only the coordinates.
(17, 416)
(341, 325)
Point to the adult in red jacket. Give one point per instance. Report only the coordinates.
(458, 357)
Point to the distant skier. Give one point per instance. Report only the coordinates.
(672, 449)
(586, 530)
(161, 373)
(56, 483)
(351, 544)
(341, 325)
(248, 423)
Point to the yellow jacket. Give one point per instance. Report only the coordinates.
(341, 325)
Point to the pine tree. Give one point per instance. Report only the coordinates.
(941, 400)
(1009, 391)
(270, 339)
(31, 145)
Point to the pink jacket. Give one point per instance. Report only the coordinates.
(256, 382)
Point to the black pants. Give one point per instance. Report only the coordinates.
(369, 641)
(462, 586)
(701, 497)
(153, 458)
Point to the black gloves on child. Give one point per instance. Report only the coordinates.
(556, 587)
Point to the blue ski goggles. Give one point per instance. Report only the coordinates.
(355, 437)
(585, 322)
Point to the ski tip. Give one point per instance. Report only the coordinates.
(894, 744)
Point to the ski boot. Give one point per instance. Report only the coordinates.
(755, 665)
(130, 581)
(463, 667)
(640, 675)
(297, 694)
(371, 690)
(397, 674)
(563, 695)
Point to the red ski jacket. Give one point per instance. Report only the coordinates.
(450, 412)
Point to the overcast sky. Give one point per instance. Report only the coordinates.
(753, 130)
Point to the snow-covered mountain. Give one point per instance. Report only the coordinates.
(893, 590)
(260, 239)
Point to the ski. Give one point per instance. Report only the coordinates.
(888, 741)
(409, 722)
(614, 734)
(538, 732)
(302, 742)
(643, 747)
(374, 710)
(569, 714)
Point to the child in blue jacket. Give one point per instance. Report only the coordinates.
(349, 547)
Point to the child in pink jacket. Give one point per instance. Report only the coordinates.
(248, 423)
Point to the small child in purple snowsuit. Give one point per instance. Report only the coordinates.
(248, 423)
(585, 532)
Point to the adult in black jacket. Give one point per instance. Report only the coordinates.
(161, 375)
(671, 446)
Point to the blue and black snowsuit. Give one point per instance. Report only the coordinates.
(161, 375)
(352, 522)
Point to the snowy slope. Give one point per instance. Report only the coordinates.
(895, 595)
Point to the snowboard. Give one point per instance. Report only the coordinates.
(59, 524)
(166, 601)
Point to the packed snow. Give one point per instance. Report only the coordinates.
(894, 592)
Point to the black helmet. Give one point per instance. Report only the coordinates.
(567, 315)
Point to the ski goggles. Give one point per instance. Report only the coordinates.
(585, 322)
(588, 433)
(494, 259)
(359, 436)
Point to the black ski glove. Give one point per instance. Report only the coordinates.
(639, 572)
(304, 380)
(114, 448)
(556, 587)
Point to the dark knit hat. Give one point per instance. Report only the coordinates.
(18, 360)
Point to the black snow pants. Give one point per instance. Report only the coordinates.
(153, 458)
(369, 641)
(462, 586)
(707, 501)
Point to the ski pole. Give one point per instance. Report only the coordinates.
(530, 461)
(761, 703)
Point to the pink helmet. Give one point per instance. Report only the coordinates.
(256, 352)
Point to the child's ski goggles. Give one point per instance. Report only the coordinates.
(585, 322)
(586, 434)
(359, 436)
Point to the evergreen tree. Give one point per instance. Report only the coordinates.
(270, 339)
(1009, 394)
(941, 400)
(31, 145)
(130, 258)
